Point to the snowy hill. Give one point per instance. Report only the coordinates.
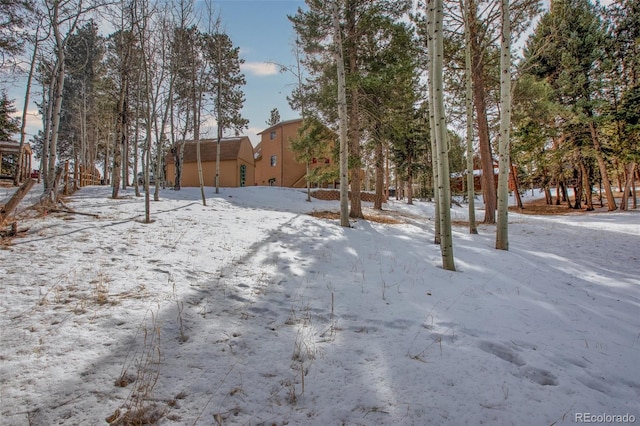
(251, 311)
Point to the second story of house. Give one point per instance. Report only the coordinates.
(276, 163)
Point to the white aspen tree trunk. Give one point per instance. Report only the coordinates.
(219, 126)
(119, 164)
(136, 135)
(58, 81)
(160, 133)
(446, 244)
(84, 137)
(196, 135)
(342, 114)
(298, 75)
(471, 191)
(141, 16)
(432, 123)
(44, 162)
(23, 126)
(502, 230)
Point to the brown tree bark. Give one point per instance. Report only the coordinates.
(379, 165)
(480, 104)
(354, 114)
(611, 201)
(630, 170)
(586, 180)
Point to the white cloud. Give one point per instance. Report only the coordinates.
(260, 68)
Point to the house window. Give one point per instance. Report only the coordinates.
(272, 182)
(314, 160)
(274, 160)
(272, 135)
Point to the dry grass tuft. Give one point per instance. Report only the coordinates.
(378, 218)
(139, 407)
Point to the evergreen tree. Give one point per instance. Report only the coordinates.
(14, 17)
(274, 117)
(364, 28)
(79, 116)
(9, 125)
(225, 87)
(186, 66)
(567, 49)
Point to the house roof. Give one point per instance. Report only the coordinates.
(13, 147)
(282, 123)
(229, 149)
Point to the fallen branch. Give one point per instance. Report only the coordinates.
(8, 208)
(57, 210)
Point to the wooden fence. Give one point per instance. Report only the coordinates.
(78, 177)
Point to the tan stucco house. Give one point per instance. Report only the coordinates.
(276, 163)
(236, 163)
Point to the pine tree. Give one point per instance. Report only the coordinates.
(14, 17)
(362, 25)
(274, 117)
(225, 87)
(9, 125)
(567, 49)
(79, 116)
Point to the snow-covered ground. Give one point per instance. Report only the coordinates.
(250, 311)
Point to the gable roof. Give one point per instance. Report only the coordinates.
(13, 147)
(229, 149)
(282, 123)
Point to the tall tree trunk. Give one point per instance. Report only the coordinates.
(121, 129)
(444, 200)
(136, 136)
(633, 187)
(586, 183)
(480, 102)
(577, 191)
(123, 121)
(342, 118)
(630, 170)
(435, 167)
(196, 136)
(47, 99)
(354, 113)
(410, 180)
(502, 231)
(17, 178)
(516, 186)
(611, 201)
(55, 117)
(180, 154)
(471, 190)
(160, 139)
(219, 128)
(379, 166)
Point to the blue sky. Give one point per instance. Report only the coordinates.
(265, 36)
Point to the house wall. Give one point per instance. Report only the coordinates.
(287, 172)
(229, 174)
(229, 170)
